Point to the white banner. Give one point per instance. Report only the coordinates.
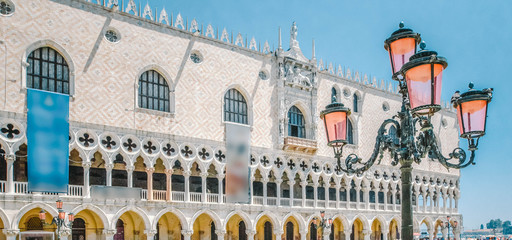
(238, 138)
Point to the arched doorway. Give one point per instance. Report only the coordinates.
(264, 229)
(236, 228)
(204, 228)
(78, 229)
(119, 230)
(376, 230)
(394, 232)
(313, 231)
(30, 222)
(131, 226)
(291, 228)
(357, 230)
(338, 230)
(92, 225)
(169, 227)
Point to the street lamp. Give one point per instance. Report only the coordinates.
(448, 224)
(323, 222)
(419, 75)
(59, 220)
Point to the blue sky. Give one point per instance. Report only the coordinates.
(475, 37)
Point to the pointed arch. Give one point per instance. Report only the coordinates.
(96, 210)
(176, 212)
(215, 218)
(51, 210)
(137, 210)
(241, 214)
(382, 221)
(363, 219)
(302, 223)
(273, 219)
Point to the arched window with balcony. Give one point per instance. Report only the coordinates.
(235, 107)
(48, 70)
(296, 123)
(153, 92)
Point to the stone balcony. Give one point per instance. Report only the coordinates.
(77, 192)
(301, 145)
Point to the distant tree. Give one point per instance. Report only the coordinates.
(481, 226)
(506, 224)
(494, 223)
(507, 227)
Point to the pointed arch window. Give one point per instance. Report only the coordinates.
(296, 123)
(153, 91)
(235, 107)
(334, 95)
(47, 70)
(242, 235)
(350, 132)
(356, 103)
(289, 231)
(213, 234)
(267, 231)
(312, 232)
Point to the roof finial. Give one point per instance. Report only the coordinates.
(280, 44)
(401, 25)
(313, 49)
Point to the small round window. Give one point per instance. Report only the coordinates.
(263, 75)
(6, 7)
(112, 36)
(196, 57)
(346, 92)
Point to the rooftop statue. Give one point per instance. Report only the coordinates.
(293, 36)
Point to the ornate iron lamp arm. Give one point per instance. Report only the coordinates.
(383, 142)
(430, 141)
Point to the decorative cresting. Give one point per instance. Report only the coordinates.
(409, 136)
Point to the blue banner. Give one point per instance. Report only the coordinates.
(47, 141)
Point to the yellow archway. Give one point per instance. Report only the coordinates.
(357, 230)
(204, 227)
(233, 227)
(339, 229)
(376, 230)
(93, 223)
(131, 225)
(310, 228)
(289, 223)
(169, 227)
(394, 231)
(264, 223)
(30, 222)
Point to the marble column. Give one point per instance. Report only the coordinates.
(251, 187)
(444, 231)
(366, 192)
(10, 172)
(108, 168)
(220, 177)
(149, 172)
(220, 234)
(109, 234)
(265, 182)
(385, 235)
(393, 198)
(326, 233)
(292, 184)
(278, 191)
(86, 191)
(11, 233)
(366, 234)
(347, 234)
(278, 234)
(338, 187)
(129, 173)
(203, 186)
(315, 193)
(168, 184)
(327, 186)
(303, 184)
(358, 196)
(150, 234)
(386, 190)
(250, 234)
(186, 175)
(187, 234)
(347, 196)
(303, 234)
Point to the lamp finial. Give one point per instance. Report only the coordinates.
(401, 25)
(423, 45)
(471, 85)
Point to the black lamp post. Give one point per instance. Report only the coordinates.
(60, 220)
(419, 75)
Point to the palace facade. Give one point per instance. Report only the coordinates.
(150, 95)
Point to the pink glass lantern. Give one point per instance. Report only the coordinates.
(401, 45)
(335, 122)
(472, 111)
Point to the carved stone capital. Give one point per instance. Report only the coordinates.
(109, 232)
(150, 170)
(187, 233)
(10, 232)
(10, 158)
(86, 165)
